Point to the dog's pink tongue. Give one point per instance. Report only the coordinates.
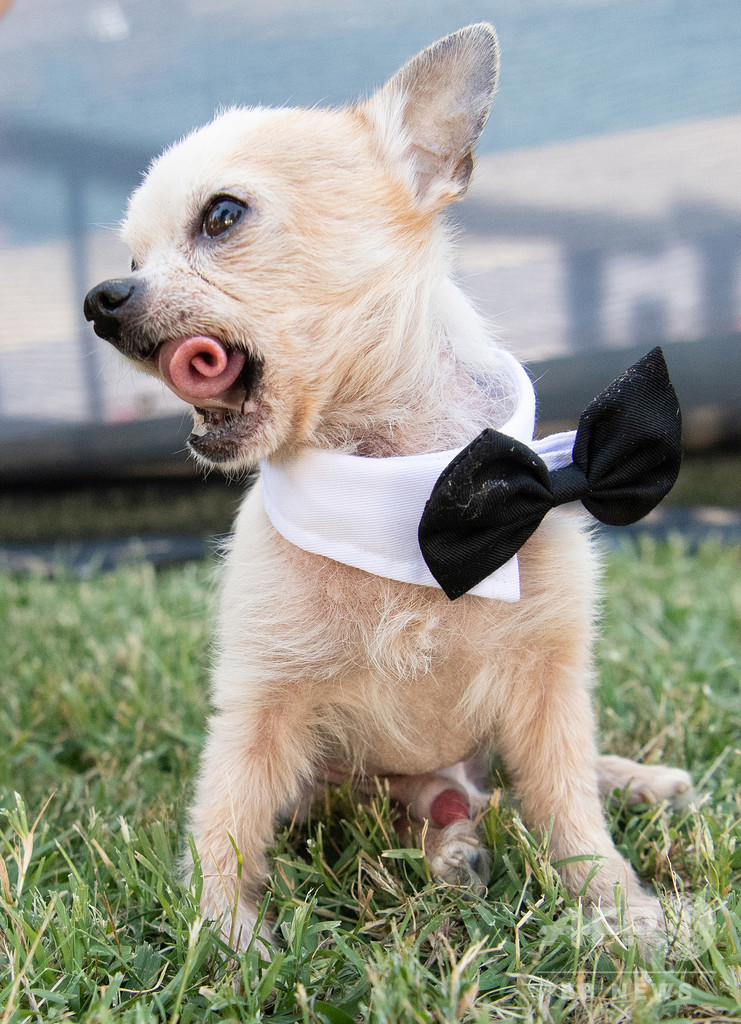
(199, 369)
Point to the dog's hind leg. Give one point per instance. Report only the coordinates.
(644, 783)
(447, 802)
(256, 761)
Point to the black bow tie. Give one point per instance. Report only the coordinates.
(494, 494)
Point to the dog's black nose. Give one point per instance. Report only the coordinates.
(104, 306)
(108, 296)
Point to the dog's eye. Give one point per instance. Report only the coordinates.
(134, 266)
(222, 215)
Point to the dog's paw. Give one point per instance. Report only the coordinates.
(691, 926)
(239, 925)
(643, 920)
(644, 917)
(456, 857)
(658, 783)
(673, 930)
(646, 783)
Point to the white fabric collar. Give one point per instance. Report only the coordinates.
(365, 512)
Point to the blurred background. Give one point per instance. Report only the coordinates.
(605, 216)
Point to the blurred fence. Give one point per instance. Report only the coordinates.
(605, 215)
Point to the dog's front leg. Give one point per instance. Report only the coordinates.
(547, 740)
(256, 760)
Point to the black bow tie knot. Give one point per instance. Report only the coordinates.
(494, 494)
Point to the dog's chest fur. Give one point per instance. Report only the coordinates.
(395, 678)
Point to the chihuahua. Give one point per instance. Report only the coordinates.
(291, 280)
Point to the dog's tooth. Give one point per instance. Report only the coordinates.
(199, 429)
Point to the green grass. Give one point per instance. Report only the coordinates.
(100, 727)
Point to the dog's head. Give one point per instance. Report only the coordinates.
(282, 259)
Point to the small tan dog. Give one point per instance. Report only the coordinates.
(290, 280)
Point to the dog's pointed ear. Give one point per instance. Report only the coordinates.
(431, 113)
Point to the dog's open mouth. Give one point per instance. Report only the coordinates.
(221, 383)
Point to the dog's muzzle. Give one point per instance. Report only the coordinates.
(221, 381)
(111, 305)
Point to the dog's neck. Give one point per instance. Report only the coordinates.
(451, 412)
(461, 384)
(365, 512)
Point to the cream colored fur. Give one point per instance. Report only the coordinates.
(339, 281)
